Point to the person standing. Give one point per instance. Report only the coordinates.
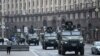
(9, 43)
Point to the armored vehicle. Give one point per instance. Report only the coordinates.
(49, 39)
(70, 39)
(33, 38)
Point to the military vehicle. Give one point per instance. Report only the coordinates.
(70, 39)
(33, 38)
(49, 39)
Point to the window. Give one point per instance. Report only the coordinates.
(98, 14)
(64, 2)
(30, 18)
(21, 19)
(76, 16)
(0, 7)
(0, 1)
(81, 16)
(17, 19)
(41, 3)
(33, 3)
(46, 2)
(25, 19)
(37, 2)
(71, 16)
(59, 2)
(55, 2)
(13, 19)
(50, 2)
(87, 15)
(93, 14)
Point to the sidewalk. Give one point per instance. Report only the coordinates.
(17, 53)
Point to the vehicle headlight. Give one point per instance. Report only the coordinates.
(81, 41)
(97, 48)
(64, 42)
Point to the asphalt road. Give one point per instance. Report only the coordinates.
(38, 51)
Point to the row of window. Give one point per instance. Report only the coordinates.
(71, 16)
(28, 4)
(49, 9)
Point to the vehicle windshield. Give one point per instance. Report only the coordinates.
(70, 37)
(50, 37)
(76, 33)
(97, 43)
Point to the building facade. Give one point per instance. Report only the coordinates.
(39, 13)
(22, 12)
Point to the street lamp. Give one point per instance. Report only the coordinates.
(2, 27)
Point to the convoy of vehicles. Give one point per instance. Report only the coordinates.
(68, 38)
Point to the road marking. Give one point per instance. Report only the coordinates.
(34, 53)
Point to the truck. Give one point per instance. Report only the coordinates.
(70, 39)
(33, 38)
(49, 39)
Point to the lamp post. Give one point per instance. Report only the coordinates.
(2, 27)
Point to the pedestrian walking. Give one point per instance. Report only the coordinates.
(9, 43)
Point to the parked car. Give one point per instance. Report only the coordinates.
(95, 49)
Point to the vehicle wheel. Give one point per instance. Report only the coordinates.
(62, 52)
(92, 52)
(82, 51)
(54, 47)
(76, 52)
(59, 51)
(95, 53)
(37, 43)
(28, 43)
(44, 47)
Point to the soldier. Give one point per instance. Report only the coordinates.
(9, 43)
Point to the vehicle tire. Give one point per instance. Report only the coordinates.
(59, 51)
(37, 43)
(92, 52)
(28, 43)
(76, 52)
(62, 52)
(55, 47)
(44, 47)
(95, 53)
(82, 51)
